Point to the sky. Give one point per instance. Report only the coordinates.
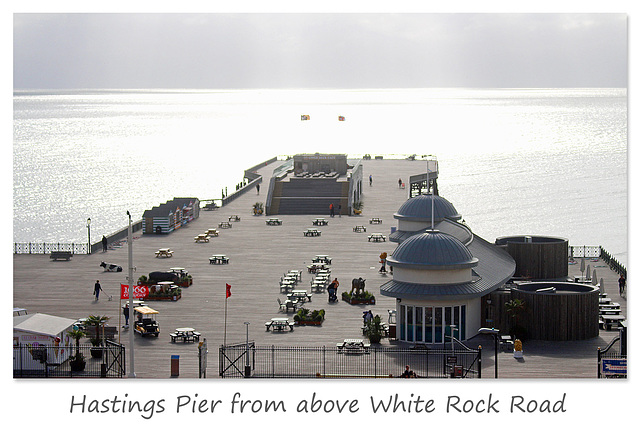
(318, 50)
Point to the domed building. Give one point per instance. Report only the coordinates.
(441, 270)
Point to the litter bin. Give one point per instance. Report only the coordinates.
(175, 366)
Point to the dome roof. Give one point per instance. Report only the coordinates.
(432, 250)
(418, 208)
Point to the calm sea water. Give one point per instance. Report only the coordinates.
(512, 161)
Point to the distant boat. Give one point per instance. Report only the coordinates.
(340, 118)
(305, 118)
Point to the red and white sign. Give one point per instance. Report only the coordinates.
(139, 291)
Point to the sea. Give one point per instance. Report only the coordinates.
(512, 161)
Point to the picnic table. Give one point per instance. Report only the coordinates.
(224, 225)
(299, 296)
(359, 229)
(604, 301)
(218, 259)
(201, 238)
(273, 221)
(377, 237)
(185, 334)
(279, 324)
(212, 232)
(296, 274)
(375, 221)
(319, 284)
(320, 221)
(234, 218)
(353, 345)
(164, 252)
(316, 267)
(609, 319)
(312, 232)
(322, 259)
(287, 284)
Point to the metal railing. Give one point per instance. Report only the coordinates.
(50, 361)
(329, 362)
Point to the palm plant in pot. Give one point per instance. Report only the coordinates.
(96, 341)
(77, 362)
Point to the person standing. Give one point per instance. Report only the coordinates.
(331, 212)
(370, 180)
(96, 289)
(258, 189)
(104, 244)
(125, 311)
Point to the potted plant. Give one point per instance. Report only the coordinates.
(77, 362)
(517, 348)
(142, 280)
(304, 317)
(357, 207)
(515, 308)
(96, 341)
(359, 298)
(374, 330)
(258, 208)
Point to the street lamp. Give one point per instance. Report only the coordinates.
(494, 332)
(88, 235)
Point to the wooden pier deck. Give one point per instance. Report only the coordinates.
(259, 255)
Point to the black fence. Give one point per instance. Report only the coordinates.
(40, 361)
(253, 361)
(612, 360)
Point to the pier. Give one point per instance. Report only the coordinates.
(259, 255)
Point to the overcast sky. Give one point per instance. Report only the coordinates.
(212, 51)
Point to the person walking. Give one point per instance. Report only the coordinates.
(370, 180)
(258, 189)
(104, 244)
(125, 311)
(331, 212)
(622, 283)
(96, 289)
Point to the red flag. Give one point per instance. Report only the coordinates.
(228, 290)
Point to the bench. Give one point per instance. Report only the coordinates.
(57, 255)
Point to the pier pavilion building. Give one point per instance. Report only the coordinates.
(310, 183)
(441, 271)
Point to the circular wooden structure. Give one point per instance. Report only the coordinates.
(558, 311)
(538, 257)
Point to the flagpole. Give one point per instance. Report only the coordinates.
(132, 372)
(225, 320)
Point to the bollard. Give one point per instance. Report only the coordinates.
(175, 366)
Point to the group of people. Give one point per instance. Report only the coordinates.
(332, 289)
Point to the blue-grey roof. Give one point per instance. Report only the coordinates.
(495, 267)
(418, 208)
(459, 230)
(432, 250)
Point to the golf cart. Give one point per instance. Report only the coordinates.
(145, 323)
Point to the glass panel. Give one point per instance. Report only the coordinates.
(456, 321)
(428, 321)
(401, 323)
(409, 323)
(437, 329)
(418, 323)
(463, 322)
(447, 323)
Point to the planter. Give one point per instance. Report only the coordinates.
(96, 352)
(355, 301)
(310, 322)
(77, 366)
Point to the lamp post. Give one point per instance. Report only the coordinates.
(494, 332)
(88, 235)
(247, 366)
(132, 371)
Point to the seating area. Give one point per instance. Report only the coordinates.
(164, 252)
(610, 313)
(353, 345)
(218, 259)
(377, 237)
(185, 335)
